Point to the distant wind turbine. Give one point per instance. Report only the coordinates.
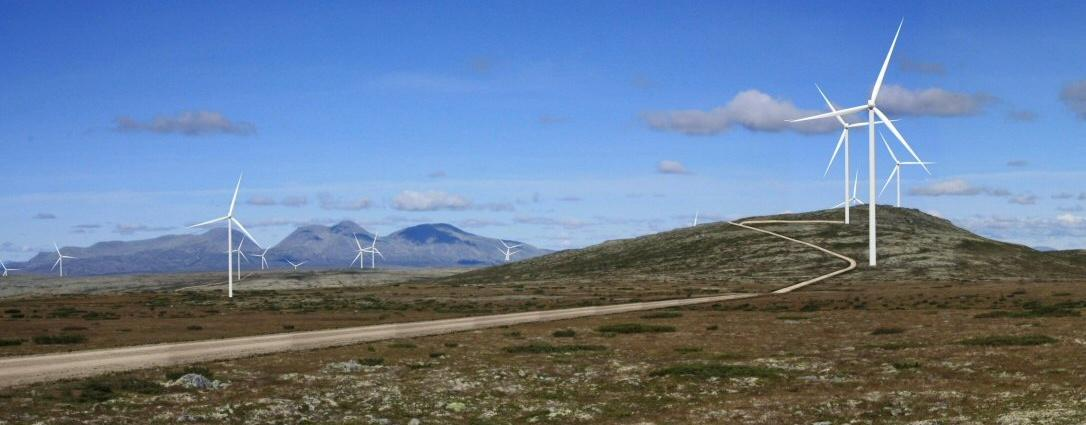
(60, 260)
(230, 222)
(696, 213)
(241, 256)
(263, 258)
(374, 252)
(6, 269)
(508, 251)
(897, 170)
(854, 200)
(360, 256)
(294, 265)
(843, 140)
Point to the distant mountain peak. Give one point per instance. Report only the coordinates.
(433, 233)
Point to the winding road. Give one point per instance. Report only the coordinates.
(16, 371)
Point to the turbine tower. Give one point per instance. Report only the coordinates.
(230, 222)
(294, 265)
(897, 170)
(360, 254)
(6, 269)
(508, 251)
(696, 214)
(60, 260)
(374, 252)
(241, 255)
(872, 109)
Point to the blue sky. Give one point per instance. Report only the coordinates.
(540, 121)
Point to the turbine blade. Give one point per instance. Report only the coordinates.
(355, 259)
(356, 242)
(840, 112)
(56, 248)
(840, 141)
(889, 179)
(234, 201)
(210, 222)
(839, 205)
(830, 104)
(855, 184)
(900, 138)
(885, 64)
(246, 232)
(884, 142)
(55, 264)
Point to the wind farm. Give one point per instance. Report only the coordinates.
(526, 178)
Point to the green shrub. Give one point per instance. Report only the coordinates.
(100, 389)
(195, 328)
(687, 350)
(10, 342)
(545, 348)
(62, 339)
(903, 365)
(402, 344)
(73, 328)
(887, 331)
(715, 370)
(635, 328)
(712, 327)
(371, 361)
(662, 315)
(564, 333)
(788, 317)
(1009, 340)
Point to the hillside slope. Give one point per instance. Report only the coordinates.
(913, 246)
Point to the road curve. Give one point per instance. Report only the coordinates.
(17, 371)
(50, 367)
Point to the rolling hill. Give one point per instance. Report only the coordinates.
(913, 246)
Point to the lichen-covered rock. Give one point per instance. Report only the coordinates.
(196, 381)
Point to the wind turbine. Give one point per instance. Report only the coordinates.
(374, 252)
(60, 260)
(854, 200)
(843, 140)
(508, 251)
(6, 269)
(294, 265)
(241, 255)
(696, 213)
(872, 109)
(263, 258)
(361, 255)
(230, 222)
(897, 170)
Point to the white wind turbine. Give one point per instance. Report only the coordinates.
(508, 251)
(843, 140)
(60, 260)
(696, 213)
(6, 269)
(263, 258)
(872, 109)
(897, 170)
(230, 222)
(374, 252)
(360, 254)
(241, 256)
(854, 200)
(294, 265)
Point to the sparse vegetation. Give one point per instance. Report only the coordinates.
(10, 342)
(1009, 340)
(887, 331)
(545, 348)
(716, 370)
(204, 371)
(62, 339)
(635, 328)
(564, 333)
(662, 315)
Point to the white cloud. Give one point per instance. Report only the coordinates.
(130, 229)
(1070, 219)
(899, 101)
(45, 216)
(1074, 96)
(671, 167)
(410, 200)
(1024, 199)
(188, 123)
(750, 109)
(955, 187)
(294, 201)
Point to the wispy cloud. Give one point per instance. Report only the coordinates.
(1017, 163)
(11, 247)
(1021, 116)
(1023, 199)
(410, 200)
(955, 187)
(671, 167)
(188, 123)
(259, 200)
(437, 174)
(1073, 95)
(328, 201)
(129, 229)
(294, 201)
(44, 216)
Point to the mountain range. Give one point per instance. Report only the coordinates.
(424, 245)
